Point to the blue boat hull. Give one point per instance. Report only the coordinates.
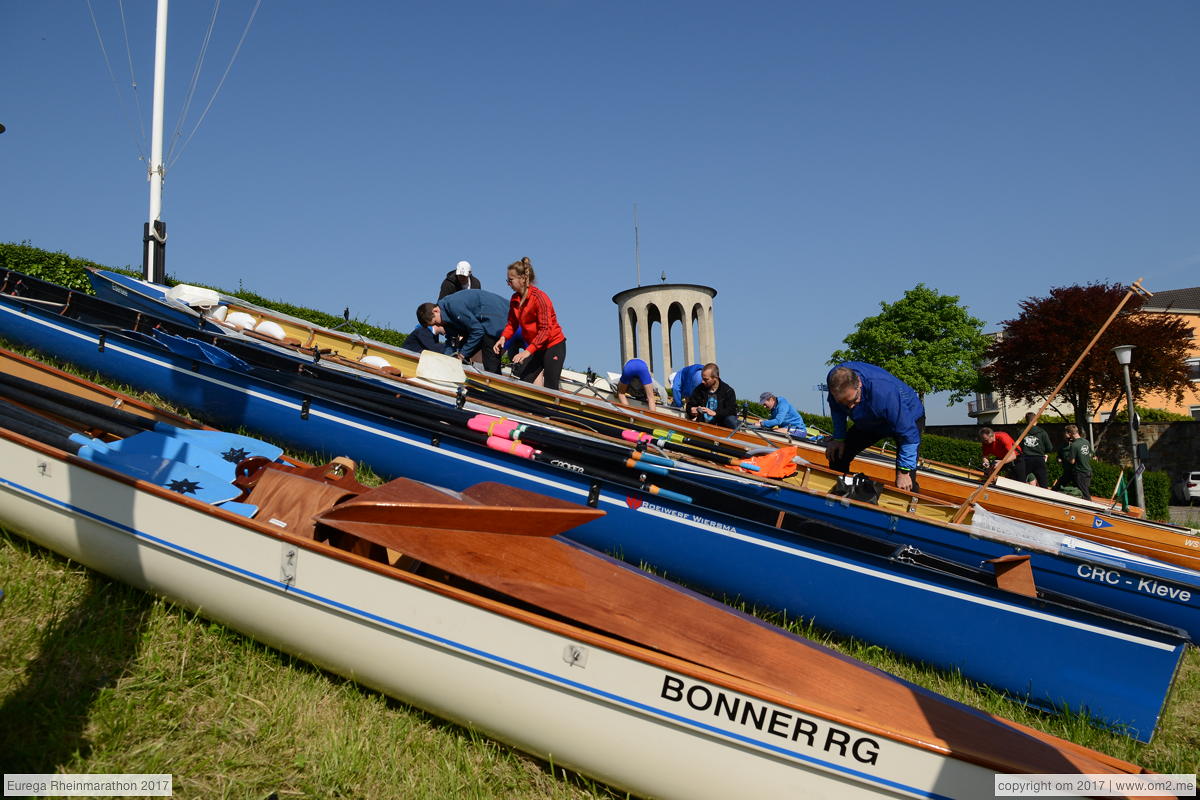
(1170, 595)
(1157, 591)
(1117, 671)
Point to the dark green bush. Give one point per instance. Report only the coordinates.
(962, 452)
(71, 272)
(57, 268)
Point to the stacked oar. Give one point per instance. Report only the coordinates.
(199, 463)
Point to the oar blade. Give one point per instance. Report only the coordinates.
(232, 447)
(168, 473)
(417, 506)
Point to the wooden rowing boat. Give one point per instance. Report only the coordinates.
(463, 604)
(945, 484)
(728, 544)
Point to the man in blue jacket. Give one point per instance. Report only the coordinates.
(783, 415)
(684, 383)
(478, 317)
(880, 404)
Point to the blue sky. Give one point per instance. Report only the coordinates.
(808, 160)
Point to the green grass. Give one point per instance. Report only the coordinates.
(98, 677)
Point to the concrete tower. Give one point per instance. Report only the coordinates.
(688, 305)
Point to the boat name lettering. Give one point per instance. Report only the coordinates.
(1151, 586)
(775, 721)
(686, 516)
(567, 465)
(1100, 574)
(1145, 585)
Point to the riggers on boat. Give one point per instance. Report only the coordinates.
(944, 483)
(464, 604)
(921, 606)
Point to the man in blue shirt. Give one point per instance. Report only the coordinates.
(880, 404)
(783, 415)
(684, 383)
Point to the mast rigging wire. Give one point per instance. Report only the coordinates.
(191, 91)
(137, 144)
(137, 97)
(216, 91)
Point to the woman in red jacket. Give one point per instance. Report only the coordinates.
(531, 311)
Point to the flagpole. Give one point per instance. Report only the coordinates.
(154, 237)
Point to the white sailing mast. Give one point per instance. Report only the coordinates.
(154, 236)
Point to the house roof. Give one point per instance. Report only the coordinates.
(1179, 301)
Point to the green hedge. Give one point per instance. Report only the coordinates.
(56, 267)
(71, 272)
(1155, 485)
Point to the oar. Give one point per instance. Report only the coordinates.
(598, 423)
(95, 415)
(525, 451)
(202, 351)
(170, 473)
(403, 504)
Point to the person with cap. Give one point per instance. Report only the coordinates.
(713, 401)
(783, 415)
(636, 380)
(684, 382)
(426, 336)
(880, 404)
(458, 279)
(476, 317)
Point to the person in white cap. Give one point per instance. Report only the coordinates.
(459, 278)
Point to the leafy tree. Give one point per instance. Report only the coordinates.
(925, 338)
(1039, 346)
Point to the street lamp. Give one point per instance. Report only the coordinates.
(1124, 353)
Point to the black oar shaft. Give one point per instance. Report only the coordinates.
(36, 427)
(86, 412)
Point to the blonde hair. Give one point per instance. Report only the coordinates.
(524, 268)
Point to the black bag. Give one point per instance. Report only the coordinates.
(858, 487)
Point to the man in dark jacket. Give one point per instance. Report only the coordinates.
(1035, 447)
(477, 317)
(458, 279)
(713, 401)
(426, 336)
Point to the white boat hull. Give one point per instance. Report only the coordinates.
(545, 688)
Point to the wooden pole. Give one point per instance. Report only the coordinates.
(1134, 288)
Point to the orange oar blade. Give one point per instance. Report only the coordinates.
(776, 464)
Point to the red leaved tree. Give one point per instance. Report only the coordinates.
(1037, 348)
